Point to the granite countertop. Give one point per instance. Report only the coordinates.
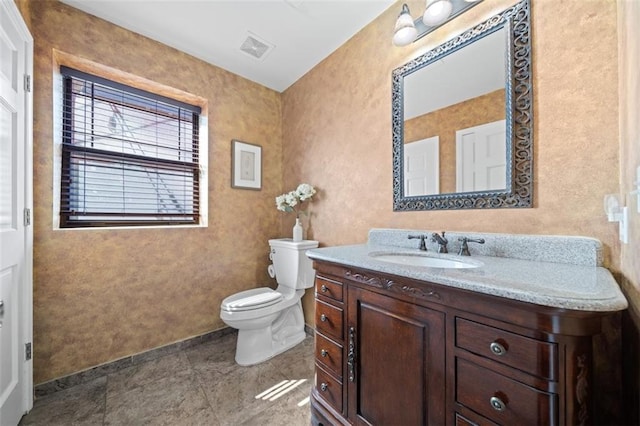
(560, 285)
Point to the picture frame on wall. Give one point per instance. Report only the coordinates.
(246, 165)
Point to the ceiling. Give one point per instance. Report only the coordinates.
(295, 35)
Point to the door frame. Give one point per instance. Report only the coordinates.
(10, 9)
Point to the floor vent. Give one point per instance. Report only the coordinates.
(256, 47)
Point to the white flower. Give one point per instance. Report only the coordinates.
(291, 198)
(287, 202)
(305, 191)
(281, 203)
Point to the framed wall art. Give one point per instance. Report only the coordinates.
(246, 165)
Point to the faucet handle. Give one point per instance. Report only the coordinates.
(423, 245)
(442, 242)
(464, 248)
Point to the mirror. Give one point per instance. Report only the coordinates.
(462, 120)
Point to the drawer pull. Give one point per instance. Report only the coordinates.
(324, 288)
(497, 349)
(324, 387)
(323, 318)
(497, 404)
(324, 353)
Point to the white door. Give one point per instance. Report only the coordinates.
(481, 154)
(422, 167)
(16, 50)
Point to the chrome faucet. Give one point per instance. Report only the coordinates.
(442, 242)
(464, 248)
(423, 245)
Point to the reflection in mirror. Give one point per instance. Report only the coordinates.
(454, 131)
(462, 120)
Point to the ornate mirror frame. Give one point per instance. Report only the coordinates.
(519, 118)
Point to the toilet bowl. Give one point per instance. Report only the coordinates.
(270, 321)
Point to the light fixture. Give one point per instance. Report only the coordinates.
(405, 31)
(436, 13)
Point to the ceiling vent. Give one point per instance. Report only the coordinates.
(256, 47)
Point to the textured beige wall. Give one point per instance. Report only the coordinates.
(629, 16)
(337, 132)
(103, 294)
(446, 121)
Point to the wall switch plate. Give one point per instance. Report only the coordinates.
(617, 212)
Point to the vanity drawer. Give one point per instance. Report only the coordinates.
(329, 288)
(501, 399)
(526, 354)
(329, 389)
(329, 354)
(465, 421)
(472, 419)
(329, 319)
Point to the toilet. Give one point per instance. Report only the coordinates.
(270, 321)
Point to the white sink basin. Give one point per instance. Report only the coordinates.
(425, 261)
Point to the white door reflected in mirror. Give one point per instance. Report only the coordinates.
(481, 158)
(422, 167)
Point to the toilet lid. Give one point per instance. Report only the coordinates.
(251, 299)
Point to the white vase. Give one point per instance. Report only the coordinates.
(297, 231)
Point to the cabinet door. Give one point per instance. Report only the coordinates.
(396, 361)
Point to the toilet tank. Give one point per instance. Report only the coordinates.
(293, 268)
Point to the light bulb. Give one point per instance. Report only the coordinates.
(436, 12)
(405, 31)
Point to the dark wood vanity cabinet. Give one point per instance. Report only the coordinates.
(394, 351)
(398, 376)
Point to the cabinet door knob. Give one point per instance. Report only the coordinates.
(323, 387)
(497, 404)
(497, 349)
(323, 318)
(324, 353)
(324, 288)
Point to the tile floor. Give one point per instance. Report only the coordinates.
(201, 385)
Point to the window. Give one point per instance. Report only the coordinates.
(129, 157)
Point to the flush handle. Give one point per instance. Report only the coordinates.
(497, 349)
(1, 308)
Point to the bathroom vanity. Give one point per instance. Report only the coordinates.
(509, 340)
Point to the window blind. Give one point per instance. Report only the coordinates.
(129, 157)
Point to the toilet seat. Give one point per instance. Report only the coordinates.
(249, 300)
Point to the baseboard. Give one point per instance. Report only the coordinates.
(309, 330)
(93, 373)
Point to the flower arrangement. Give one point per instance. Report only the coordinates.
(287, 202)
